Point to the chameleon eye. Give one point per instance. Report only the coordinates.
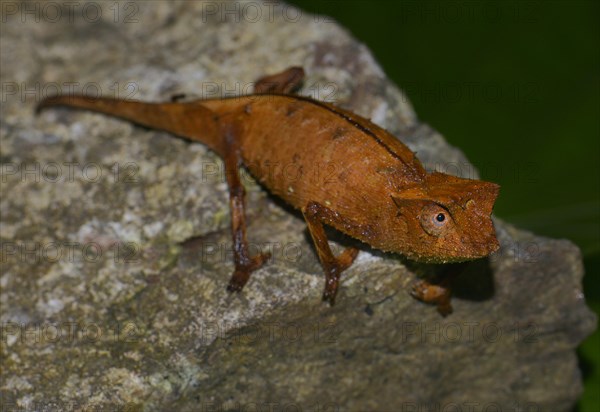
(434, 219)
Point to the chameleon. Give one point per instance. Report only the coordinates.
(375, 190)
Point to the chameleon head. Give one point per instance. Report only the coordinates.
(447, 219)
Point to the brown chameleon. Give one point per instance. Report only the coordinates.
(376, 189)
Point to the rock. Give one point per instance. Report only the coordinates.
(115, 241)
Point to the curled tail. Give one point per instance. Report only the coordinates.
(189, 120)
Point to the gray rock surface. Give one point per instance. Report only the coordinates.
(108, 305)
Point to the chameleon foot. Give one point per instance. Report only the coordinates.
(242, 272)
(435, 294)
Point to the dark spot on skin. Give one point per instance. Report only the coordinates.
(292, 108)
(248, 109)
(296, 157)
(339, 132)
(343, 176)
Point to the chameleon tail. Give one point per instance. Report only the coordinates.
(189, 120)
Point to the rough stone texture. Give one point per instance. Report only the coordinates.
(106, 303)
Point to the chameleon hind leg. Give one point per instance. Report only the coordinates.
(244, 263)
(435, 294)
(286, 82)
(315, 215)
(439, 293)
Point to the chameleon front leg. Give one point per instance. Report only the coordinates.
(315, 215)
(244, 263)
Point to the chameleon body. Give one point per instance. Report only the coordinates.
(337, 167)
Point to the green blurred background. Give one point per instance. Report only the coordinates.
(515, 85)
